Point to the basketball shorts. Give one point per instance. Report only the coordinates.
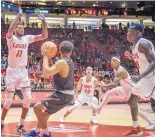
(145, 88)
(90, 100)
(56, 102)
(16, 78)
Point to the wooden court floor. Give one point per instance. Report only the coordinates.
(114, 120)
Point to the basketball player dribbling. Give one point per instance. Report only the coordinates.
(63, 76)
(87, 86)
(123, 78)
(17, 74)
(143, 53)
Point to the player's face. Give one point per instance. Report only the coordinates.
(89, 70)
(20, 30)
(114, 63)
(132, 35)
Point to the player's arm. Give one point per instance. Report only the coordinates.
(14, 24)
(78, 87)
(56, 68)
(146, 48)
(44, 34)
(128, 55)
(116, 81)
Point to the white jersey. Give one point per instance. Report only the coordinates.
(127, 83)
(88, 87)
(18, 50)
(139, 58)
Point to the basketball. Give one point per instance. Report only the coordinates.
(50, 47)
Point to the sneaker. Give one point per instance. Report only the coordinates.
(93, 121)
(20, 129)
(44, 135)
(32, 133)
(62, 119)
(151, 127)
(135, 132)
(2, 126)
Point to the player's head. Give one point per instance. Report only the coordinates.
(115, 62)
(66, 48)
(135, 31)
(89, 71)
(19, 30)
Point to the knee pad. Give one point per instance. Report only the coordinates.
(27, 97)
(9, 100)
(77, 104)
(94, 101)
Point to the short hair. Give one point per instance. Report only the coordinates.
(66, 47)
(89, 67)
(116, 58)
(138, 27)
(19, 23)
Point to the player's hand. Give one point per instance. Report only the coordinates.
(128, 54)
(44, 50)
(20, 13)
(136, 79)
(75, 96)
(41, 16)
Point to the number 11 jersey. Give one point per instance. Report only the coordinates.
(18, 50)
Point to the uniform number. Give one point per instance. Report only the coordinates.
(19, 53)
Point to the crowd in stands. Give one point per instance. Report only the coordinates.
(111, 42)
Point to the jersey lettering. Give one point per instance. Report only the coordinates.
(22, 46)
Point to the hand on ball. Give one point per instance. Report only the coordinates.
(49, 49)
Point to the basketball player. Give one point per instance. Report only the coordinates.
(143, 54)
(63, 76)
(121, 77)
(16, 74)
(87, 86)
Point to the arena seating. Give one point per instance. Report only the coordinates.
(91, 49)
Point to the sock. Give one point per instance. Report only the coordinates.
(21, 122)
(37, 129)
(45, 131)
(2, 122)
(135, 124)
(145, 117)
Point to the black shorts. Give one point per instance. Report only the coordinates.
(56, 102)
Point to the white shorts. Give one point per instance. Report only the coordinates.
(16, 78)
(91, 101)
(119, 91)
(145, 88)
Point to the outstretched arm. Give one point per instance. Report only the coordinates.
(115, 83)
(14, 24)
(44, 34)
